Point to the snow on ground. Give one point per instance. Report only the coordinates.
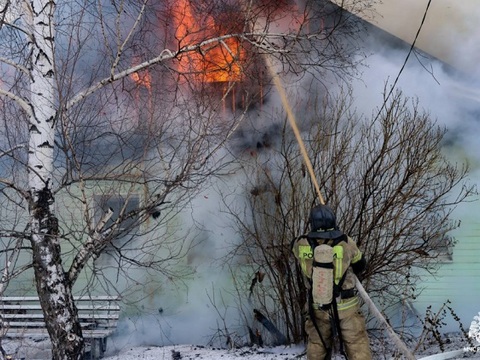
(454, 347)
(190, 352)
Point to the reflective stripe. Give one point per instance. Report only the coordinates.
(347, 303)
(305, 254)
(357, 257)
(338, 263)
(341, 305)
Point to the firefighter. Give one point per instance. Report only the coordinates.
(333, 308)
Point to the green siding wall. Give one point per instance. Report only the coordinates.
(459, 280)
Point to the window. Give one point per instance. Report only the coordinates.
(122, 206)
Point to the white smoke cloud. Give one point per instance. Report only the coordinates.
(450, 92)
(191, 317)
(452, 99)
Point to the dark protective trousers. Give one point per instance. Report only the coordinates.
(354, 334)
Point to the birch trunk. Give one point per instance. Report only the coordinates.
(53, 286)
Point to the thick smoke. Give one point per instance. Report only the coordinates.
(448, 89)
(448, 93)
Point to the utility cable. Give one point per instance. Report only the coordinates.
(366, 298)
(412, 47)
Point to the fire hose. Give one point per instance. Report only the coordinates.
(361, 291)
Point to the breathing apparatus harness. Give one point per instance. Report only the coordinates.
(331, 282)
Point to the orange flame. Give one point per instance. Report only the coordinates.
(216, 62)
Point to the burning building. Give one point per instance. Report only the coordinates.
(224, 70)
(225, 67)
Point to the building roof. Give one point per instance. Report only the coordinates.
(449, 31)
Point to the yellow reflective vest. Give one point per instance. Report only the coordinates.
(345, 253)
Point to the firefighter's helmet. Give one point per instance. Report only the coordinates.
(323, 223)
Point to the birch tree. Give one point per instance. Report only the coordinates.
(127, 93)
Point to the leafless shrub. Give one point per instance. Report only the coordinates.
(392, 188)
